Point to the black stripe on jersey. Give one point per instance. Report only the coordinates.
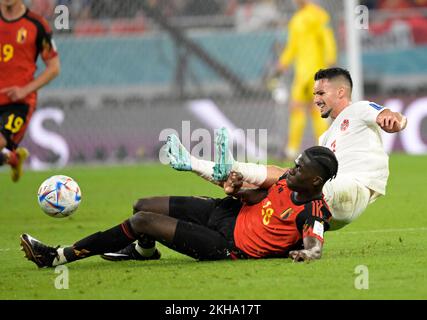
(304, 215)
(319, 205)
(326, 216)
(41, 33)
(314, 209)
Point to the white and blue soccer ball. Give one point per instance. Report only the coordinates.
(59, 196)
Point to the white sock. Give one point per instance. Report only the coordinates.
(144, 251)
(60, 259)
(203, 168)
(252, 173)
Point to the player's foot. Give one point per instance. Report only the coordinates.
(37, 252)
(223, 157)
(17, 168)
(129, 253)
(179, 156)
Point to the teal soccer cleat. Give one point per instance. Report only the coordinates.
(178, 156)
(223, 157)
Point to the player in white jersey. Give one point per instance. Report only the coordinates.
(354, 136)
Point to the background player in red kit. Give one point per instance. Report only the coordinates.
(24, 36)
(287, 219)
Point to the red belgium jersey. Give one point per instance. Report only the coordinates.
(277, 224)
(21, 41)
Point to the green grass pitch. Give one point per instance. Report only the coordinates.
(390, 239)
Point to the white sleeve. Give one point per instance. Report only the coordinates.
(369, 112)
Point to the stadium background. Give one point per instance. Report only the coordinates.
(127, 75)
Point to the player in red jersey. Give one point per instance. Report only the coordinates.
(286, 219)
(24, 36)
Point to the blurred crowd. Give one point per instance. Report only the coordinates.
(84, 9)
(394, 4)
(244, 15)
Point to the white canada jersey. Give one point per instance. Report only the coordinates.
(355, 138)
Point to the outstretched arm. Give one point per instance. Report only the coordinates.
(391, 121)
(312, 235)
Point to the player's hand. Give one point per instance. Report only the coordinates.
(391, 121)
(233, 183)
(15, 93)
(300, 255)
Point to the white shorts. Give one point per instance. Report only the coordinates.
(347, 199)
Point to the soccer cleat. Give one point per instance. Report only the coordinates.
(178, 156)
(17, 169)
(129, 253)
(223, 157)
(37, 252)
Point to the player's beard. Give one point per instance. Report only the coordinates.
(326, 114)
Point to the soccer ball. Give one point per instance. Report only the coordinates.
(59, 196)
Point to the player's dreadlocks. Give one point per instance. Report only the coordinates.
(325, 159)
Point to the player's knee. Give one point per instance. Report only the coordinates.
(341, 216)
(139, 205)
(144, 204)
(141, 221)
(153, 204)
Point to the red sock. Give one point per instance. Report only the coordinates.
(12, 159)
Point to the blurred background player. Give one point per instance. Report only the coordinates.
(24, 35)
(310, 46)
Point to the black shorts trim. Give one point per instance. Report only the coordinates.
(18, 110)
